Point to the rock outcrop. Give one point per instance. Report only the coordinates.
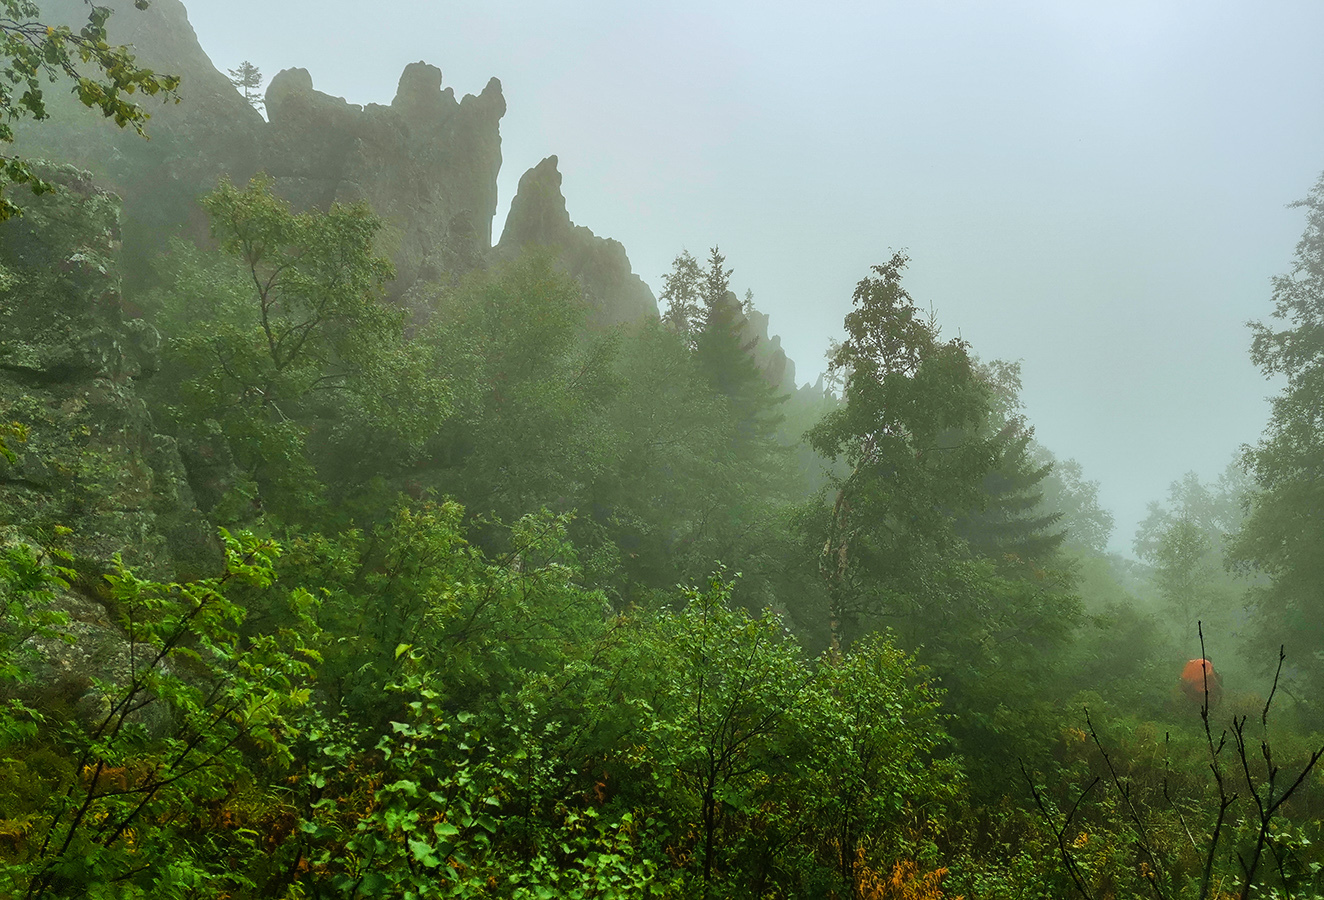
(427, 164)
(538, 218)
(69, 361)
(211, 132)
(93, 477)
(767, 351)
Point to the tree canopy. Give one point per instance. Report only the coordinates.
(1285, 528)
(34, 54)
(491, 602)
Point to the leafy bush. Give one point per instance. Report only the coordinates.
(133, 818)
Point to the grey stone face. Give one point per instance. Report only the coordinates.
(70, 358)
(538, 218)
(427, 164)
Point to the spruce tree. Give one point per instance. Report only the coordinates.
(248, 79)
(725, 356)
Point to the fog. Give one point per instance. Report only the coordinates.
(345, 553)
(1099, 191)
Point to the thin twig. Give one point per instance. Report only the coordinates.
(1225, 800)
(1138, 821)
(1073, 868)
(1181, 817)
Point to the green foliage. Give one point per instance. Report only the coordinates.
(486, 625)
(663, 499)
(1282, 534)
(175, 737)
(910, 402)
(926, 452)
(529, 391)
(103, 77)
(1075, 499)
(682, 292)
(724, 357)
(438, 822)
(1181, 574)
(483, 511)
(1121, 648)
(935, 530)
(1011, 520)
(766, 775)
(248, 78)
(1217, 508)
(11, 433)
(874, 771)
(1199, 812)
(1185, 543)
(625, 428)
(727, 691)
(29, 580)
(292, 351)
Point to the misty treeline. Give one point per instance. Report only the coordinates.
(503, 605)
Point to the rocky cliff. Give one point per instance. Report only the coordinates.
(538, 218)
(427, 163)
(93, 477)
(767, 351)
(70, 360)
(209, 133)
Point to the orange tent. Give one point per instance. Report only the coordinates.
(1197, 676)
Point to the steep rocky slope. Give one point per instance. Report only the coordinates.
(427, 163)
(538, 218)
(69, 362)
(93, 477)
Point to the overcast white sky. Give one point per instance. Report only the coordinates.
(1096, 189)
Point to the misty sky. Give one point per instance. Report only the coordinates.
(1096, 189)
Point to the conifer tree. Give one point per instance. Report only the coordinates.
(1009, 522)
(248, 79)
(726, 357)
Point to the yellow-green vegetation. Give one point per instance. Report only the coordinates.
(35, 54)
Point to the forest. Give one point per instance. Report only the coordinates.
(316, 584)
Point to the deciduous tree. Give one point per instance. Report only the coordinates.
(1285, 529)
(289, 346)
(908, 429)
(103, 77)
